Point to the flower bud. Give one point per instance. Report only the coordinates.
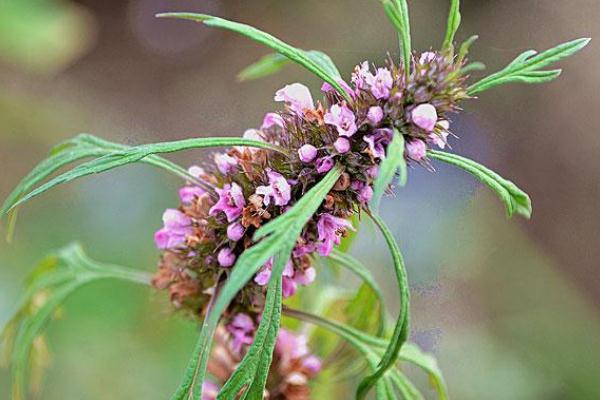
(342, 145)
(416, 149)
(235, 231)
(226, 257)
(424, 116)
(307, 153)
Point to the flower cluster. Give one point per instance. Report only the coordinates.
(244, 187)
(291, 371)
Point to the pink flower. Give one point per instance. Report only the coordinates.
(279, 189)
(377, 142)
(209, 391)
(375, 115)
(226, 257)
(327, 88)
(365, 194)
(359, 76)
(380, 83)
(424, 116)
(330, 230)
(235, 231)
(427, 57)
(272, 119)
(290, 346)
(305, 277)
(342, 145)
(288, 284)
(440, 139)
(176, 226)
(188, 194)
(312, 365)
(303, 249)
(416, 149)
(225, 163)
(231, 202)
(342, 118)
(296, 96)
(324, 164)
(307, 153)
(242, 329)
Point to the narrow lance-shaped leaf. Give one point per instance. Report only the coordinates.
(118, 158)
(278, 237)
(56, 277)
(253, 370)
(364, 273)
(314, 65)
(397, 12)
(80, 147)
(401, 329)
(526, 67)
(394, 162)
(274, 62)
(515, 200)
(453, 24)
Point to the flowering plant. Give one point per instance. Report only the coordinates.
(254, 224)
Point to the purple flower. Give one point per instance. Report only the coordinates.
(307, 153)
(359, 76)
(176, 226)
(342, 118)
(312, 364)
(188, 194)
(324, 164)
(305, 277)
(416, 149)
(365, 194)
(209, 391)
(327, 88)
(272, 119)
(342, 145)
(375, 115)
(330, 229)
(279, 189)
(296, 96)
(380, 83)
(226, 257)
(235, 231)
(440, 139)
(427, 57)
(424, 116)
(231, 202)
(303, 249)
(290, 346)
(377, 142)
(288, 285)
(242, 329)
(225, 163)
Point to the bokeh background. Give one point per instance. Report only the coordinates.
(510, 307)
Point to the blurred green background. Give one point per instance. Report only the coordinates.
(511, 308)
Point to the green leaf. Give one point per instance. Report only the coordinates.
(253, 370)
(453, 24)
(515, 200)
(364, 273)
(316, 65)
(274, 62)
(464, 49)
(397, 12)
(80, 147)
(278, 237)
(526, 67)
(401, 329)
(394, 162)
(55, 278)
(115, 159)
